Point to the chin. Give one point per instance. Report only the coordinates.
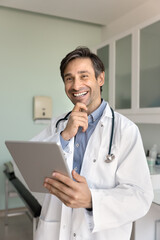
(74, 101)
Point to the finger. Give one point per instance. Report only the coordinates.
(53, 186)
(79, 121)
(74, 123)
(82, 124)
(85, 126)
(79, 107)
(70, 184)
(47, 186)
(78, 177)
(65, 198)
(68, 200)
(75, 115)
(59, 189)
(58, 177)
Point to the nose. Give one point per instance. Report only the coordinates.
(76, 84)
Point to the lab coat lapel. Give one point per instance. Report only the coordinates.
(97, 138)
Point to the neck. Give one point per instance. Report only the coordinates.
(93, 108)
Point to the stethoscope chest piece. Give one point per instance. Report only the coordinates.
(109, 158)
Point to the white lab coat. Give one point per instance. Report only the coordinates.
(121, 190)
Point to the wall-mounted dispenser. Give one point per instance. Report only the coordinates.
(42, 108)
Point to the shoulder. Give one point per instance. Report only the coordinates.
(125, 128)
(56, 122)
(120, 121)
(123, 122)
(50, 130)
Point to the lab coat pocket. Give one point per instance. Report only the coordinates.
(47, 230)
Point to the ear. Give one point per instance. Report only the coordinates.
(101, 79)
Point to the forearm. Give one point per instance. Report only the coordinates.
(115, 207)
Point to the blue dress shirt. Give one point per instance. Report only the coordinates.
(81, 138)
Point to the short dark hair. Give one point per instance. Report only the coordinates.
(82, 52)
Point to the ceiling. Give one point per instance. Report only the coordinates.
(100, 12)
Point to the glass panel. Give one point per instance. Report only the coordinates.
(150, 66)
(103, 54)
(123, 73)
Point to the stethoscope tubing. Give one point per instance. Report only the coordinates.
(63, 119)
(112, 132)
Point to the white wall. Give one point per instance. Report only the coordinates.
(143, 13)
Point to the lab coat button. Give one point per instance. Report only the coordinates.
(94, 160)
(74, 235)
(76, 168)
(101, 125)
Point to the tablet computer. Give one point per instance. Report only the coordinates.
(36, 161)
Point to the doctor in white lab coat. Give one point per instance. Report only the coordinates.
(103, 200)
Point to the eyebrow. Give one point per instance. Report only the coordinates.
(67, 74)
(84, 71)
(79, 72)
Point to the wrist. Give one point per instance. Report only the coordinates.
(65, 136)
(89, 209)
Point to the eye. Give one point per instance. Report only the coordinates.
(67, 79)
(84, 76)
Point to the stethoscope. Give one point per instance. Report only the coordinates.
(110, 157)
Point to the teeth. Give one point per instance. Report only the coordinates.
(79, 94)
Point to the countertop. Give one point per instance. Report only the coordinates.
(156, 199)
(155, 177)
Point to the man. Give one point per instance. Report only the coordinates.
(103, 199)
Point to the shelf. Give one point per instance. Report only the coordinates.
(148, 118)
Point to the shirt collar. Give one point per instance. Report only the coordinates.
(97, 113)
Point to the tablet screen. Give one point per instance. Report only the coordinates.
(36, 161)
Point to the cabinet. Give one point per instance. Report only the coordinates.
(103, 53)
(150, 66)
(123, 73)
(132, 64)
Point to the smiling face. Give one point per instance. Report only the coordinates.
(81, 84)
